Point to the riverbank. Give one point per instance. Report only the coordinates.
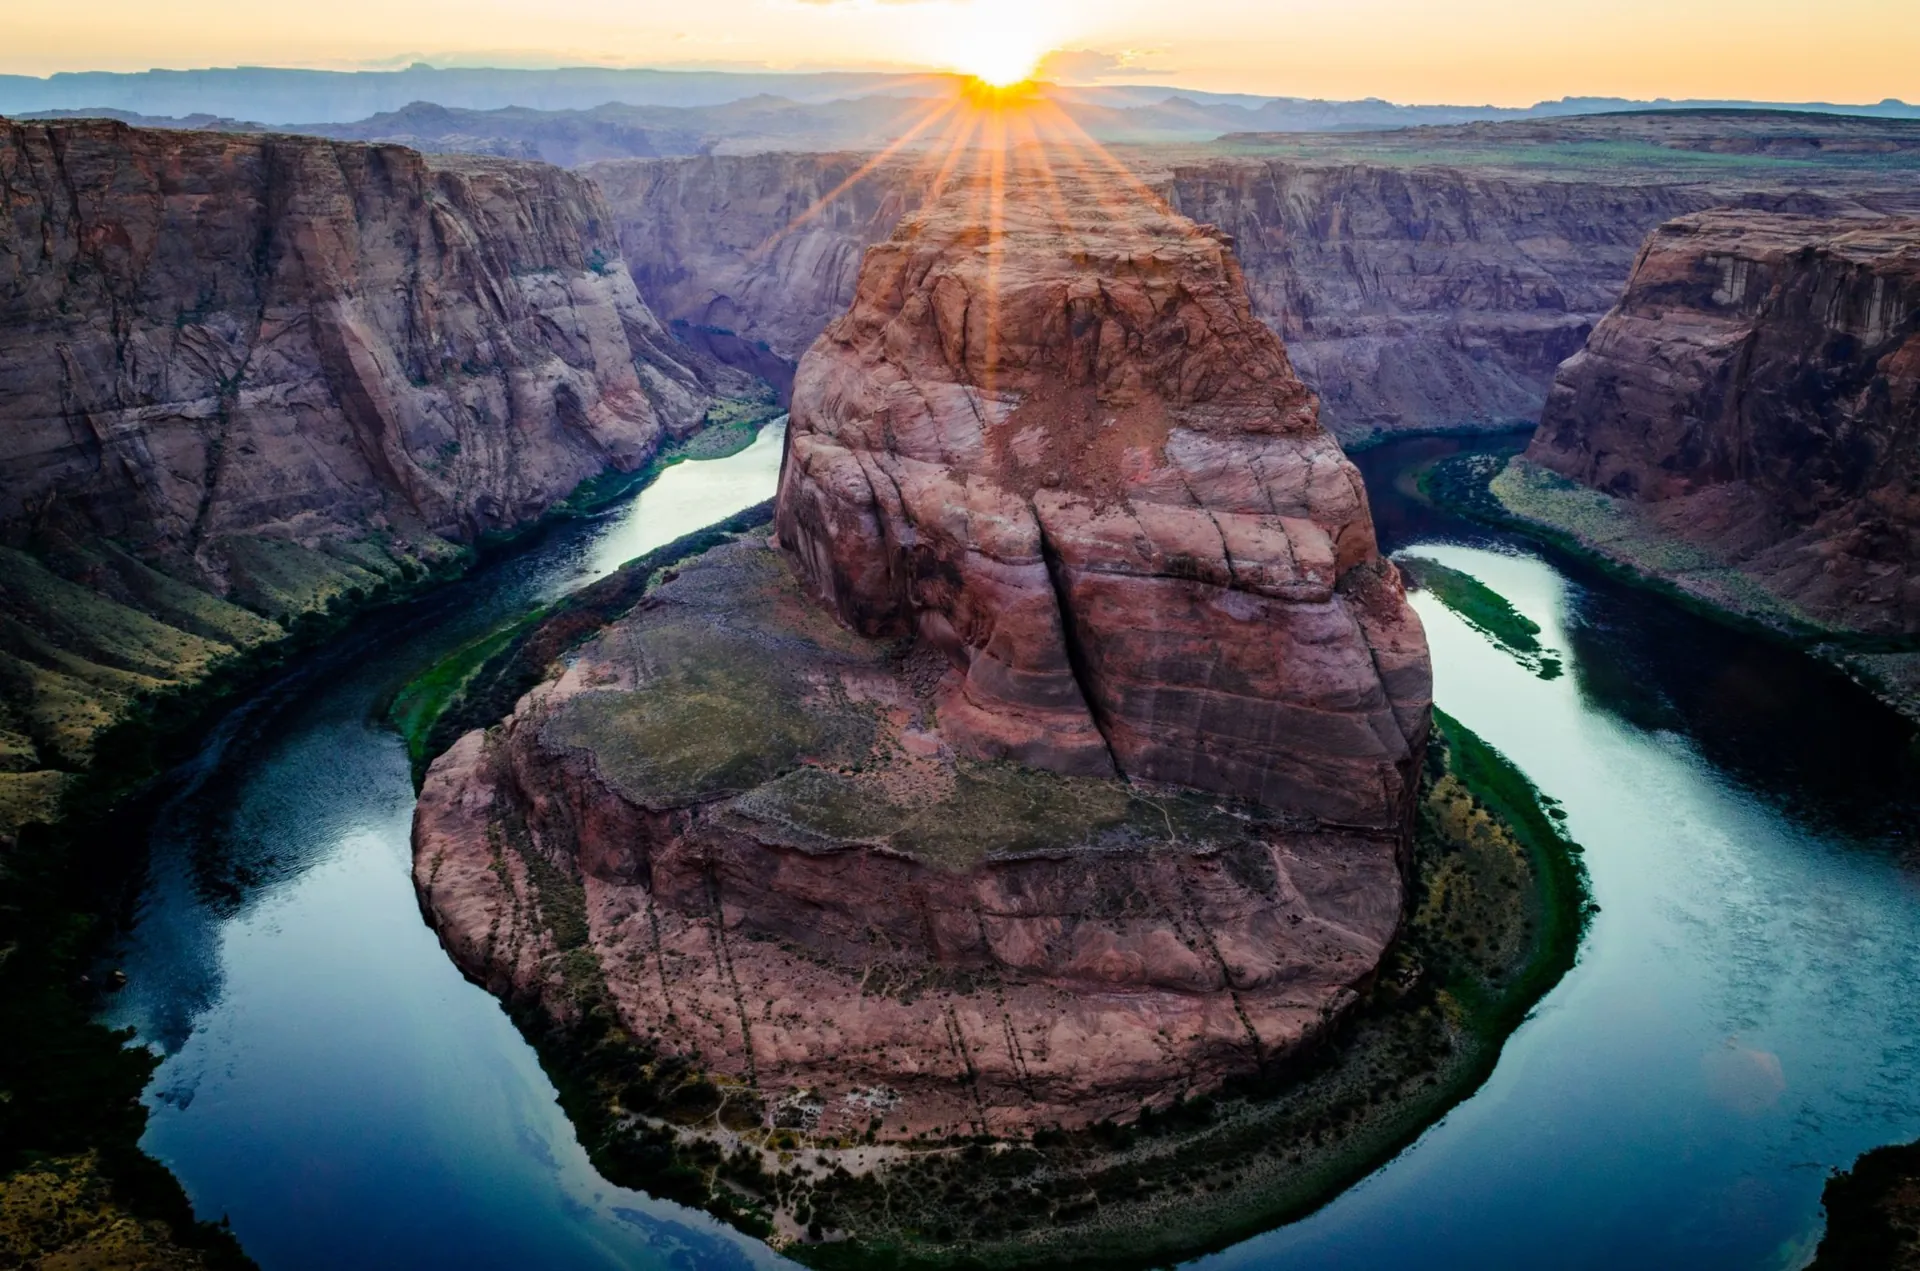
(1500, 488)
(420, 710)
(73, 1180)
(1873, 1214)
(1497, 910)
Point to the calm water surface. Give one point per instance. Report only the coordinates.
(1742, 1019)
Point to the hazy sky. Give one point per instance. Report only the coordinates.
(1467, 51)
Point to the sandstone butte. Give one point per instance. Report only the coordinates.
(1054, 758)
(242, 377)
(1757, 393)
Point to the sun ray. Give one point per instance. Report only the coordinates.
(955, 154)
(937, 155)
(1127, 175)
(1097, 187)
(859, 174)
(996, 248)
(1049, 181)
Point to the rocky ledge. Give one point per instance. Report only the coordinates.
(247, 380)
(1057, 759)
(790, 872)
(1746, 425)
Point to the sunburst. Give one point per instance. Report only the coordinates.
(994, 133)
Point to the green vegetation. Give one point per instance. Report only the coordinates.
(731, 425)
(720, 715)
(1617, 538)
(477, 685)
(109, 666)
(423, 700)
(110, 670)
(1625, 534)
(1486, 611)
(1497, 908)
(73, 1211)
(1477, 486)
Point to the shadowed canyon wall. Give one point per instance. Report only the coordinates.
(245, 376)
(1410, 296)
(1758, 391)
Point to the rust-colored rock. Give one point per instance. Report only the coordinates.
(789, 873)
(1066, 453)
(1758, 389)
(205, 334)
(1086, 787)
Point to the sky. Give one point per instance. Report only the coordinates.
(1502, 52)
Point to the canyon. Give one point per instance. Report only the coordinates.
(1422, 278)
(994, 792)
(1749, 415)
(1047, 759)
(245, 379)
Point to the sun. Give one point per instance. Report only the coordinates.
(1000, 62)
(998, 42)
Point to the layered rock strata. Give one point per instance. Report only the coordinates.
(1056, 760)
(1756, 395)
(1429, 278)
(788, 872)
(763, 247)
(1073, 460)
(244, 376)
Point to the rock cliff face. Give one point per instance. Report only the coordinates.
(1757, 391)
(1426, 297)
(1409, 297)
(766, 246)
(870, 862)
(1068, 455)
(788, 874)
(243, 375)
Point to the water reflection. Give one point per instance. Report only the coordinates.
(332, 1084)
(1741, 1020)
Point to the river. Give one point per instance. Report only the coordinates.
(1742, 1019)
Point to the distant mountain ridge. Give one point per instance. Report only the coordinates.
(766, 122)
(281, 96)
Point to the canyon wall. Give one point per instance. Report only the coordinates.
(1426, 297)
(766, 247)
(1756, 393)
(1409, 297)
(244, 376)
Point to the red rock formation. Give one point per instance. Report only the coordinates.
(1758, 387)
(1065, 452)
(1078, 514)
(789, 873)
(207, 334)
(243, 378)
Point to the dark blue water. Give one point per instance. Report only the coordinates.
(1742, 1019)
(332, 1084)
